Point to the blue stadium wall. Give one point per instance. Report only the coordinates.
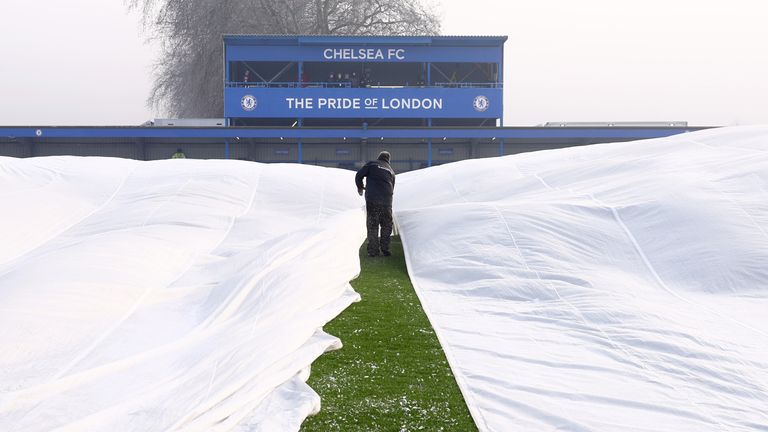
(345, 148)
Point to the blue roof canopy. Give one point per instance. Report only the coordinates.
(364, 40)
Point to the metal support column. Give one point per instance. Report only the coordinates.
(429, 152)
(226, 149)
(301, 71)
(429, 145)
(500, 83)
(301, 156)
(226, 78)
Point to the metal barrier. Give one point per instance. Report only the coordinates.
(348, 84)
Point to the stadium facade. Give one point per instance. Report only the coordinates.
(337, 101)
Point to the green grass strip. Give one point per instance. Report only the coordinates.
(391, 374)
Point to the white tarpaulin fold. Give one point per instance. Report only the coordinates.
(609, 287)
(175, 294)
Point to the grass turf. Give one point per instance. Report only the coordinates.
(391, 374)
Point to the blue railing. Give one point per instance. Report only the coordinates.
(348, 84)
(468, 85)
(262, 84)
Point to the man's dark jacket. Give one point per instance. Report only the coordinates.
(380, 183)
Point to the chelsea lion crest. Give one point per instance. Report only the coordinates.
(248, 102)
(480, 103)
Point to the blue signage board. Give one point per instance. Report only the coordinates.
(260, 102)
(364, 54)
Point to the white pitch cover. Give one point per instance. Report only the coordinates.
(614, 287)
(175, 294)
(611, 287)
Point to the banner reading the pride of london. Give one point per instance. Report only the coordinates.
(265, 102)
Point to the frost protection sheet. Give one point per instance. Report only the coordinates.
(169, 295)
(616, 287)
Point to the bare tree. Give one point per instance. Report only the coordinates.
(188, 76)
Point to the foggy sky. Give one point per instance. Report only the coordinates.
(85, 62)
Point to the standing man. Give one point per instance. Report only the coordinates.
(379, 186)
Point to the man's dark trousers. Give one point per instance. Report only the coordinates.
(378, 215)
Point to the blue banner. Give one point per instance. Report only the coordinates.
(357, 53)
(363, 102)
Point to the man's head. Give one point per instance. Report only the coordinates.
(384, 156)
